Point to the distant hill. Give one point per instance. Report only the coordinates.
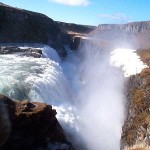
(22, 26)
(133, 35)
(76, 28)
(18, 25)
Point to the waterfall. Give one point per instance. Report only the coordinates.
(98, 78)
(36, 79)
(87, 90)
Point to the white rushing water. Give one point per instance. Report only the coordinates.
(87, 90)
(36, 79)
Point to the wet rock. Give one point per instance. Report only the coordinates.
(30, 52)
(76, 41)
(62, 53)
(4, 123)
(33, 126)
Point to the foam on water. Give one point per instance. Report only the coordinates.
(36, 79)
(50, 53)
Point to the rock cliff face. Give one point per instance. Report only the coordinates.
(22, 26)
(17, 25)
(136, 130)
(33, 127)
(130, 27)
(131, 35)
(75, 33)
(75, 28)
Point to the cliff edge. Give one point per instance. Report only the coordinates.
(22, 26)
(136, 130)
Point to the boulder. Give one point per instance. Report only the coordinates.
(33, 127)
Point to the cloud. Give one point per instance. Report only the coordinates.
(73, 2)
(115, 18)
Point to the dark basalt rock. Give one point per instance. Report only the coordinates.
(22, 26)
(76, 28)
(75, 43)
(33, 127)
(4, 123)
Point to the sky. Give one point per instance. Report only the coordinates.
(88, 12)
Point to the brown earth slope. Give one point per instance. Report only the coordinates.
(136, 130)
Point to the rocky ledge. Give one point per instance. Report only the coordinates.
(33, 127)
(29, 51)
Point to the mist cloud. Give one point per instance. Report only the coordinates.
(101, 100)
(98, 99)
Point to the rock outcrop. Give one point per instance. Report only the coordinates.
(76, 42)
(33, 127)
(75, 33)
(136, 130)
(29, 51)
